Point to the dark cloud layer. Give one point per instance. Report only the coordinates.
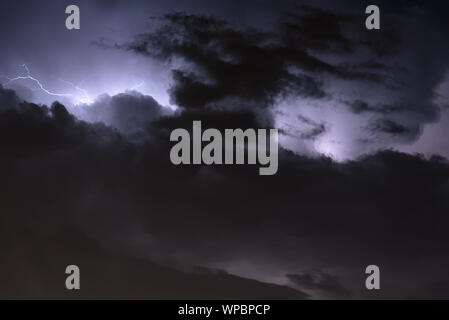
(37, 236)
(33, 273)
(124, 199)
(250, 64)
(8, 99)
(392, 127)
(312, 54)
(359, 106)
(314, 130)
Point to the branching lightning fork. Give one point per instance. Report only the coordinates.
(79, 94)
(42, 88)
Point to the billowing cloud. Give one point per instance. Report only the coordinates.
(312, 63)
(128, 112)
(8, 99)
(223, 62)
(125, 196)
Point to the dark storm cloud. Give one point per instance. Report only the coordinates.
(127, 197)
(126, 112)
(360, 106)
(35, 129)
(316, 129)
(432, 291)
(320, 30)
(250, 64)
(79, 160)
(393, 128)
(33, 274)
(8, 99)
(317, 29)
(310, 54)
(105, 195)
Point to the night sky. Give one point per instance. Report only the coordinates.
(86, 177)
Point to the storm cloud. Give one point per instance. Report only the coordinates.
(92, 184)
(124, 198)
(308, 63)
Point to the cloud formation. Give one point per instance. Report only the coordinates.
(125, 196)
(312, 63)
(94, 185)
(250, 65)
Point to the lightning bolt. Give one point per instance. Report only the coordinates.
(86, 98)
(82, 96)
(39, 84)
(47, 91)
